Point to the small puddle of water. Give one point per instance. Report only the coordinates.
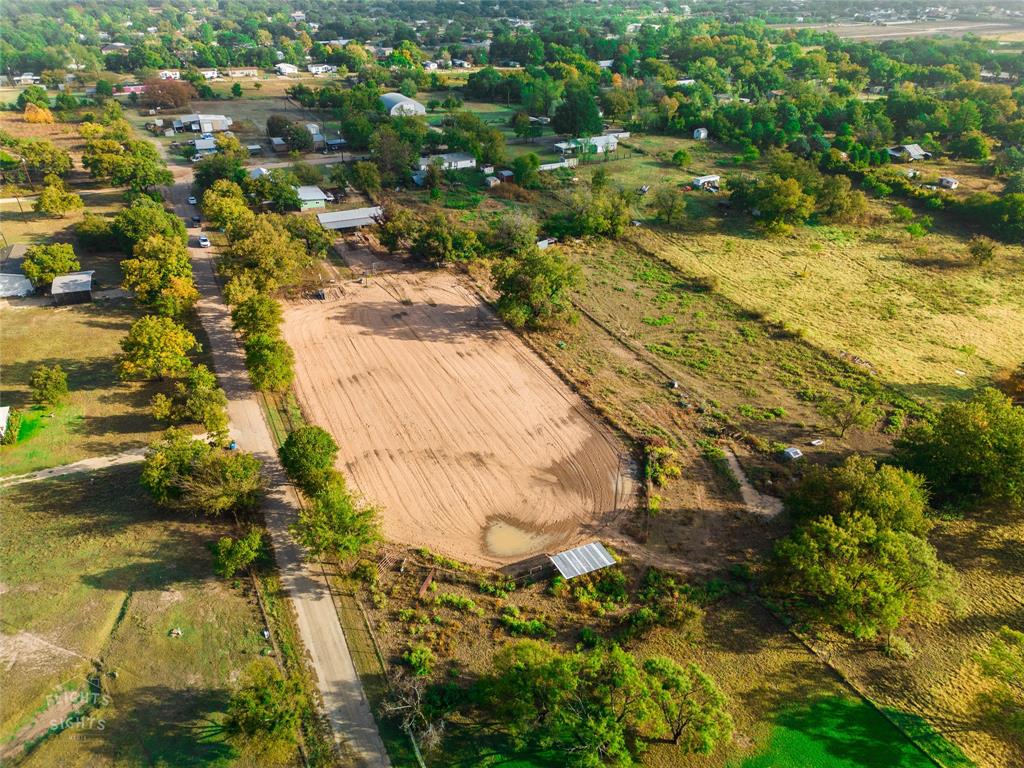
(506, 540)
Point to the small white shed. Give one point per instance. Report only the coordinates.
(700, 134)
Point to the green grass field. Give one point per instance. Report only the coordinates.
(95, 579)
(102, 415)
(836, 732)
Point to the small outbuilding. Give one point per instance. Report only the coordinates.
(491, 181)
(73, 288)
(908, 153)
(578, 561)
(277, 144)
(353, 218)
(792, 453)
(700, 134)
(948, 183)
(707, 182)
(334, 145)
(398, 105)
(506, 175)
(311, 197)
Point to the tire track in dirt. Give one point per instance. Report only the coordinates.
(448, 422)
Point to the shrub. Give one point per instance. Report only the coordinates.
(517, 626)
(234, 555)
(501, 588)
(660, 463)
(49, 385)
(44, 262)
(420, 659)
(14, 421)
(458, 603)
(270, 361)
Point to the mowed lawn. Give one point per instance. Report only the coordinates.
(102, 415)
(95, 579)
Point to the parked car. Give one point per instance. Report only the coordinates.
(192, 200)
(204, 241)
(329, 196)
(196, 220)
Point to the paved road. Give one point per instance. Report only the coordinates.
(344, 700)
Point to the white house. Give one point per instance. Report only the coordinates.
(210, 74)
(322, 69)
(686, 82)
(169, 74)
(450, 161)
(286, 69)
(430, 66)
(395, 104)
(205, 147)
(27, 78)
(245, 72)
(700, 134)
(597, 144)
(605, 63)
(298, 16)
(258, 173)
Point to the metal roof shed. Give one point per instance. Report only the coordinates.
(73, 288)
(582, 559)
(350, 219)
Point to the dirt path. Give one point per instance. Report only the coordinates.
(755, 501)
(85, 465)
(469, 443)
(344, 701)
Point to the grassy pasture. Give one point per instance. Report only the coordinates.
(96, 577)
(102, 415)
(916, 310)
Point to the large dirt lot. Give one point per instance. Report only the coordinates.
(467, 441)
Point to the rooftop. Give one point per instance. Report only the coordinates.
(310, 193)
(72, 283)
(582, 559)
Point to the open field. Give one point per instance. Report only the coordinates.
(468, 443)
(789, 709)
(915, 311)
(998, 30)
(95, 578)
(102, 414)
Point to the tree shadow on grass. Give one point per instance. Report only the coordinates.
(162, 726)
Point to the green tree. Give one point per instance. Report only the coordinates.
(433, 242)
(269, 252)
(859, 575)
(535, 287)
(49, 385)
(143, 218)
(692, 708)
(257, 314)
(223, 482)
(270, 361)
(34, 94)
(366, 177)
(196, 398)
(854, 411)
(577, 114)
(336, 523)
(264, 713)
(234, 555)
(525, 170)
(308, 455)
(160, 275)
(398, 229)
(171, 458)
(236, 90)
(893, 497)
(392, 156)
(44, 262)
(973, 452)
(681, 158)
(981, 249)
(515, 232)
(12, 429)
(669, 204)
(55, 200)
(156, 347)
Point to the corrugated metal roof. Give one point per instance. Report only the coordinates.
(583, 559)
(72, 283)
(350, 219)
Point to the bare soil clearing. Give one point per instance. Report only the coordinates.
(467, 441)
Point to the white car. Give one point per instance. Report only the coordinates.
(204, 241)
(192, 200)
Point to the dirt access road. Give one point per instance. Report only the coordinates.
(344, 701)
(466, 440)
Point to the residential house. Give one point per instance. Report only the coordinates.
(244, 72)
(322, 69)
(169, 74)
(908, 153)
(209, 74)
(594, 144)
(204, 123)
(283, 68)
(310, 197)
(450, 161)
